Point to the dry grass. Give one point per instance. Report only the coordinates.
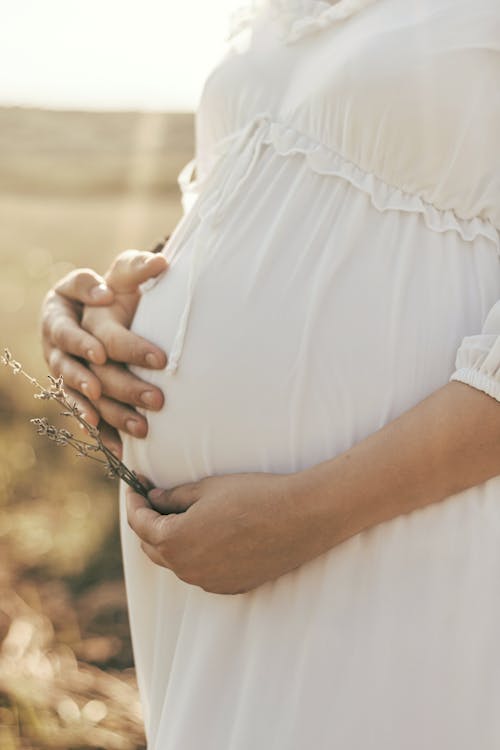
(74, 189)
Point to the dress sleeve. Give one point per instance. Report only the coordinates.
(478, 358)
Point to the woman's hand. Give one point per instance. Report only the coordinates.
(227, 534)
(68, 348)
(120, 389)
(232, 533)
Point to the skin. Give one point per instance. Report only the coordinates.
(229, 534)
(89, 345)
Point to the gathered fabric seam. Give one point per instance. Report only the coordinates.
(228, 178)
(467, 227)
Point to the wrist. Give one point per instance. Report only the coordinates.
(346, 495)
(317, 506)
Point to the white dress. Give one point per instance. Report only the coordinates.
(340, 245)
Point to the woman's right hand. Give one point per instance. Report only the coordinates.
(85, 321)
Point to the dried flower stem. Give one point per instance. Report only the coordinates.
(83, 448)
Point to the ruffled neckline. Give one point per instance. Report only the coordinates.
(304, 17)
(298, 18)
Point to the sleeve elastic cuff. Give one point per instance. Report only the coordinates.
(478, 380)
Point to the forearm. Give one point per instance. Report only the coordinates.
(231, 533)
(448, 442)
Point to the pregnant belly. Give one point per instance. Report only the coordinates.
(296, 349)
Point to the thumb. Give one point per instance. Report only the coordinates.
(132, 268)
(86, 286)
(176, 500)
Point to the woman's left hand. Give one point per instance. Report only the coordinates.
(227, 534)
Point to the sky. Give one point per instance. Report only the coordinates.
(109, 54)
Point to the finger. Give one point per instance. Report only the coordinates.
(133, 267)
(124, 346)
(111, 439)
(121, 417)
(61, 328)
(176, 500)
(121, 385)
(86, 286)
(87, 410)
(155, 556)
(143, 520)
(68, 336)
(75, 375)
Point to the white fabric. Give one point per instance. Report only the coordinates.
(478, 358)
(341, 243)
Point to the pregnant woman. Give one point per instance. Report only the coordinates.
(331, 579)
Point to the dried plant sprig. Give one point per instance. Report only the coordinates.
(85, 449)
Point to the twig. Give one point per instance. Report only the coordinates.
(85, 449)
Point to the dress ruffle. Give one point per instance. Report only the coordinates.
(288, 142)
(384, 197)
(304, 17)
(243, 16)
(299, 18)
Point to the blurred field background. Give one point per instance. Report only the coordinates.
(75, 189)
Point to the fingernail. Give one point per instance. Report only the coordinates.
(100, 291)
(153, 360)
(148, 398)
(132, 425)
(85, 387)
(91, 355)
